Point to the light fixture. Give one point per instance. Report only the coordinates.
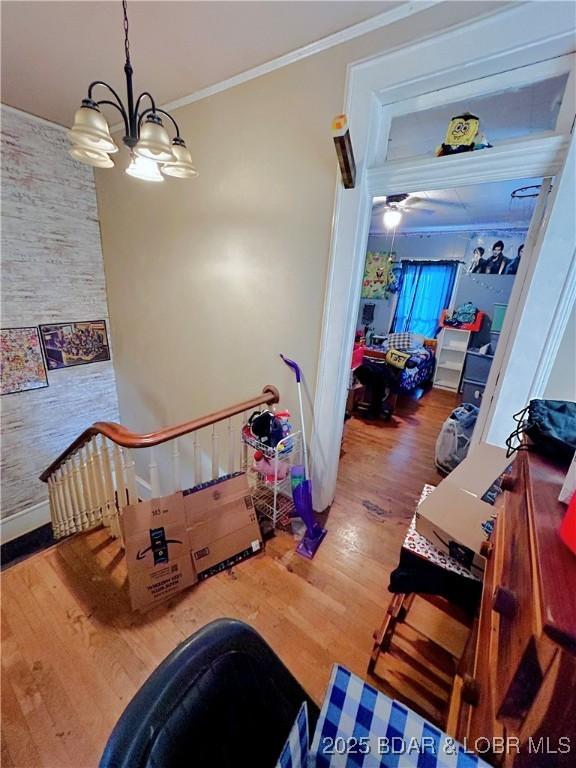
(144, 168)
(145, 135)
(182, 167)
(392, 217)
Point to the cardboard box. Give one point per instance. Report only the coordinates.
(452, 516)
(222, 525)
(157, 550)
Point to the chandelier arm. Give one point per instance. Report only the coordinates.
(143, 95)
(112, 91)
(162, 112)
(120, 109)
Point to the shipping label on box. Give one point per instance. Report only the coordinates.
(157, 550)
(222, 525)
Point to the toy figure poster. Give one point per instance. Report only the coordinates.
(380, 276)
(68, 344)
(21, 362)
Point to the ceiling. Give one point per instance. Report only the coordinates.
(477, 206)
(51, 51)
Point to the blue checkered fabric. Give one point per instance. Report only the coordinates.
(359, 727)
(400, 341)
(295, 752)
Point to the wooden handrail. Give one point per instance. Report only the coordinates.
(127, 439)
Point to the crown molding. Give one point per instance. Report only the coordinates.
(343, 36)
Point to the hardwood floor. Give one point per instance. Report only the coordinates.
(73, 654)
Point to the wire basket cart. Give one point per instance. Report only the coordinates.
(272, 494)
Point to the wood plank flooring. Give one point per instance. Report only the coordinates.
(73, 654)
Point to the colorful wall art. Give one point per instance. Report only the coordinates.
(21, 361)
(380, 275)
(68, 344)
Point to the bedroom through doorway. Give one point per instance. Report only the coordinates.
(439, 272)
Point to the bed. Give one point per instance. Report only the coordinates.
(419, 369)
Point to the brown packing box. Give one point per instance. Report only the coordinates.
(222, 525)
(451, 516)
(157, 550)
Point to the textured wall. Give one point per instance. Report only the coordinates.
(52, 271)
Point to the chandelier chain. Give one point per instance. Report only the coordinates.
(126, 41)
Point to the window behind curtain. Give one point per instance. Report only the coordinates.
(425, 291)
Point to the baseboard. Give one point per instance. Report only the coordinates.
(25, 521)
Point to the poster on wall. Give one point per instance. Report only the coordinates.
(380, 275)
(67, 344)
(21, 361)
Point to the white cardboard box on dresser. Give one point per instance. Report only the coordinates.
(452, 516)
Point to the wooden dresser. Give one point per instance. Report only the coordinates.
(514, 698)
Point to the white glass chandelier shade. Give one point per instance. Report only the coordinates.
(154, 141)
(91, 156)
(145, 169)
(392, 218)
(90, 131)
(181, 167)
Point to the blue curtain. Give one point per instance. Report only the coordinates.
(425, 291)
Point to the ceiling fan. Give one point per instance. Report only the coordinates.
(394, 206)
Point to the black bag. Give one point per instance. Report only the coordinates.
(550, 425)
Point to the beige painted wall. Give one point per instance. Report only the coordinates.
(208, 280)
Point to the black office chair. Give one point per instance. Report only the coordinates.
(221, 699)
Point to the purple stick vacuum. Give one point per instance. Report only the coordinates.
(302, 486)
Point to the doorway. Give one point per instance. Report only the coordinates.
(446, 252)
(412, 80)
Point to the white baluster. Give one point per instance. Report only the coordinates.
(72, 496)
(119, 479)
(130, 475)
(215, 459)
(54, 508)
(107, 482)
(154, 476)
(99, 481)
(87, 474)
(58, 482)
(231, 444)
(79, 492)
(67, 499)
(244, 447)
(196, 460)
(176, 474)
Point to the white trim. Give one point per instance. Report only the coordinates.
(516, 36)
(484, 86)
(30, 115)
(24, 521)
(318, 46)
(526, 158)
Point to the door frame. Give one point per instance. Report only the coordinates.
(520, 36)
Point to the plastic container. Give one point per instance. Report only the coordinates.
(472, 391)
(477, 366)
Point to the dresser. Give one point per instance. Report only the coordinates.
(514, 697)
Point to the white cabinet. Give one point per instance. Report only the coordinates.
(450, 357)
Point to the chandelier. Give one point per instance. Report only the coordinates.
(154, 154)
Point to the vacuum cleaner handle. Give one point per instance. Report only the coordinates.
(295, 367)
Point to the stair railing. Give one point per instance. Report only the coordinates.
(95, 477)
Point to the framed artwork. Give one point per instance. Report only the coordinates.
(67, 344)
(21, 361)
